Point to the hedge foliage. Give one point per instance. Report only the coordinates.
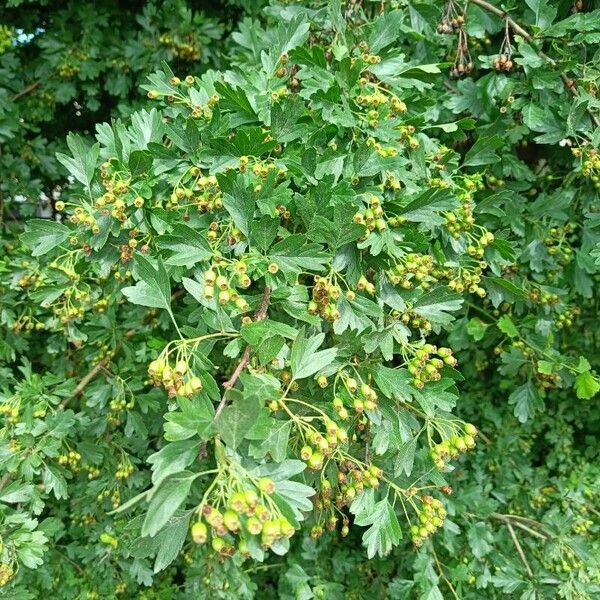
(315, 318)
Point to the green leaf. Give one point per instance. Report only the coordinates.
(386, 29)
(43, 235)
(154, 289)
(483, 151)
(186, 245)
(294, 255)
(544, 14)
(587, 385)
(194, 419)
(275, 443)
(405, 458)
(172, 458)
(82, 164)
(437, 304)
(140, 162)
(384, 532)
(476, 328)
(526, 400)
(256, 332)
(171, 494)
(505, 325)
(237, 418)
(305, 360)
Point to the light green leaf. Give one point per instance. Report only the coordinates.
(305, 360)
(43, 235)
(171, 494)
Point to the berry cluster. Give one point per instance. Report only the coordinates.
(320, 445)
(248, 512)
(461, 220)
(466, 279)
(7, 572)
(463, 65)
(221, 283)
(324, 299)
(503, 62)
(426, 364)
(184, 49)
(431, 518)
(11, 411)
(173, 378)
(415, 269)
(566, 317)
(72, 459)
(414, 320)
(124, 470)
(453, 447)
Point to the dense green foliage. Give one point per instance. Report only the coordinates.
(316, 317)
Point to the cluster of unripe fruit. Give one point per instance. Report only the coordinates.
(71, 459)
(320, 445)
(431, 518)
(503, 62)
(117, 406)
(217, 283)
(115, 497)
(590, 165)
(174, 378)
(371, 103)
(203, 192)
(28, 323)
(11, 411)
(566, 317)
(373, 217)
(324, 299)
(244, 515)
(449, 24)
(411, 319)
(469, 280)
(546, 381)
(352, 480)
(426, 364)
(559, 246)
(124, 470)
(185, 50)
(453, 447)
(461, 220)
(542, 297)
(7, 572)
(414, 269)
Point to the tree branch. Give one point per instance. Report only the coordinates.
(260, 314)
(519, 30)
(26, 90)
(519, 549)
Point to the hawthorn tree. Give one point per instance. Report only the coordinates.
(284, 297)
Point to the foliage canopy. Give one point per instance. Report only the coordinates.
(315, 321)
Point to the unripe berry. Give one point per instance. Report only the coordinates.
(315, 462)
(199, 532)
(254, 526)
(231, 521)
(470, 429)
(266, 485)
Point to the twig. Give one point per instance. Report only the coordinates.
(93, 372)
(6, 478)
(519, 549)
(442, 574)
(516, 521)
(527, 36)
(26, 90)
(259, 316)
